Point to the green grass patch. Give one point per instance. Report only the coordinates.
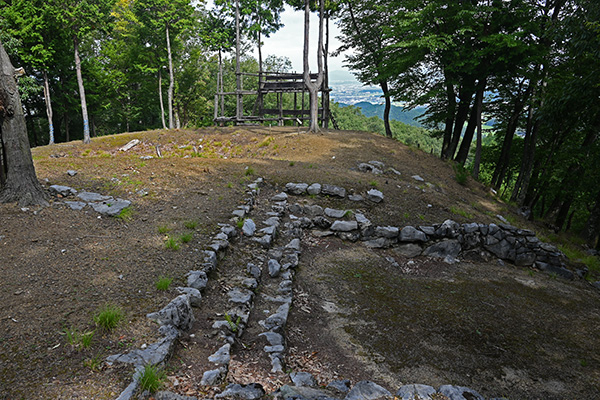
(190, 224)
(152, 379)
(78, 339)
(461, 212)
(292, 163)
(162, 229)
(94, 363)
(171, 244)
(163, 283)
(373, 183)
(186, 237)
(461, 174)
(266, 142)
(126, 214)
(108, 317)
(249, 171)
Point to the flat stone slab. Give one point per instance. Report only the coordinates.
(415, 391)
(333, 213)
(92, 197)
(62, 190)
(76, 205)
(252, 391)
(344, 226)
(367, 390)
(111, 207)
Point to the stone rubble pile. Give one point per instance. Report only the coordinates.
(105, 205)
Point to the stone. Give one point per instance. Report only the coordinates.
(221, 236)
(367, 390)
(411, 234)
(193, 294)
(177, 313)
(364, 167)
(154, 354)
(342, 386)
(333, 213)
(553, 269)
(379, 243)
(303, 379)
(443, 249)
(265, 241)
(302, 393)
(355, 197)
(428, 230)
(280, 197)
(274, 349)
(279, 319)
(221, 356)
(295, 208)
(344, 226)
(459, 393)
(321, 234)
(249, 227)
(62, 190)
(418, 178)
(239, 213)
(296, 188)
(390, 232)
(76, 205)
(211, 378)
(274, 268)
(352, 236)
(274, 339)
(314, 210)
(252, 391)
(377, 164)
(525, 259)
(250, 283)
(294, 244)
(409, 250)
(272, 221)
(92, 197)
(448, 229)
(269, 230)
(240, 296)
(253, 270)
(502, 250)
(332, 190)
(165, 395)
(197, 280)
(322, 222)
(112, 207)
(415, 391)
(314, 189)
(471, 228)
(375, 196)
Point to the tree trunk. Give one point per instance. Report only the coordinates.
(84, 111)
(592, 225)
(477, 161)
(48, 108)
(449, 118)
(326, 97)
(239, 105)
(465, 95)
(388, 106)
(522, 185)
(171, 82)
(465, 146)
(313, 87)
(160, 97)
(21, 184)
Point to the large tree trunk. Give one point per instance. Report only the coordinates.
(592, 225)
(465, 146)
(84, 111)
(313, 87)
(171, 82)
(21, 184)
(239, 104)
(48, 108)
(449, 123)
(160, 98)
(388, 106)
(465, 96)
(477, 161)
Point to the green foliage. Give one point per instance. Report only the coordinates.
(163, 283)
(172, 244)
(108, 317)
(162, 229)
(94, 363)
(461, 212)
(78, 339)
(126, 214)
(461, 174)
(152, 378)
(192, 224)
(186, 237)
(233, 326)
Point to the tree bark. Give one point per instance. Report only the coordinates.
(48, 108)
(160, 97)
(449, 118)
(388, 106)
(313, 87)
(592, 225)
(171, 81)
(21, 184)
(84, 111)
(465, 146)
(465, 95)
(477, 161)
(239, 105)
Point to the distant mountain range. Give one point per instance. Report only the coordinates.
(408, 117)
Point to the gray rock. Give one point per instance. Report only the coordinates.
(443, 249)
(395, 171)
(302, 393)
(76, 205)
(418, 178)
(525, 259)
(390, 232)
(411, 234)
(277, 365)
(71, 172)
(272, 221)
(252, 391)
(355, 197)
(211, 378)
(221, 236)
(177, 313)
(459, 393)
(274, 339)
(250, 283)
(269, 230)
(295, 208)
(322, 222)
(415, 391)
(471, 228)
(314, 210)
(221, 356)
(364, 167)
(110, 207)
(253, 270)
(279, 197)
(377, 164)
(296, 188)
(274, 349)
(274, 268)
(239, 213)
(197, 280)
(367, 390)
(92, 197)
(294, 244)
(333, 213)
(62, 190)
(303, 379)
(314, 189)
(249, 227)
(554, 269)
(502, 249)
(193, 294)
(218, 245)
(428, 230)
(130, 390)
(350, 236)
(375, 196)
(240, 296)
(409, 249)
(342, 386)
(344, 226)
(265, 241)
(229, 231)
(154, 354)
(279, 319)
(165, 395)
(319, 233)
(332, 190)
(379, 243)
(448, 229)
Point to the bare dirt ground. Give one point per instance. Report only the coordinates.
(499, 329)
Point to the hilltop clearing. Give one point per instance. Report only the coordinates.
(357, 313)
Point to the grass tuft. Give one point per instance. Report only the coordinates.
(171, 244)
(163, 283)
(460, 173)
(126, 214)
(249, 171)
(190, 224)
(162, 229)
(152, 379)
(186, 237)
(108, 317)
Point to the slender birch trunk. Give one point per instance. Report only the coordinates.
(160, 98)
(48, 108)
(84, 111)
(171, 82)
